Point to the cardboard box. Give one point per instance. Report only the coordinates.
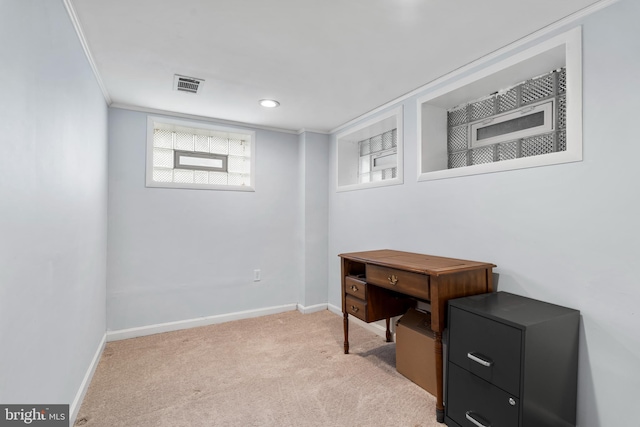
(415, 353)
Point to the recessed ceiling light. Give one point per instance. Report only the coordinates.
(269, 103)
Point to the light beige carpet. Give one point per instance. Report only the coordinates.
(286, 369)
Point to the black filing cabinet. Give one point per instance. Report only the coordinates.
(512, 362)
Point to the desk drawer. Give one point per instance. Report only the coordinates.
(356, 307)
(355, 287)
(379, 304)
(414, 284)
(486, 348)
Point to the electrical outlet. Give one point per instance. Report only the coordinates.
(256, 275)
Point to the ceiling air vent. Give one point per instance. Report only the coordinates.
(186, 84)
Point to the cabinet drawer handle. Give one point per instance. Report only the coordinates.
(475, 419)
(393, 279)
(483, 360)
(354, 288)
(354, 308)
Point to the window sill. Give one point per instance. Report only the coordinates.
(521, 163)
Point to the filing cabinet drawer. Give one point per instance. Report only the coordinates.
(479, 400)
(355, 287)
(486, 348)
(414, 284)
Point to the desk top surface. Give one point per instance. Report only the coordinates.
(417, 263)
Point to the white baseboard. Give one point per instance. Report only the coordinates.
(84, 386)
(123, 334)
(334, 309)
(312, 308)
(376, 328)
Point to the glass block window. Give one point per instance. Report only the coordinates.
(378, 157)
(369, 154)
(521, 111)
(187, 155)
(521, 121)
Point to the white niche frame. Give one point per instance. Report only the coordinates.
(348, 151)
(563, 50)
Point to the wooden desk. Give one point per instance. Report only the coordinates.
(384, 283)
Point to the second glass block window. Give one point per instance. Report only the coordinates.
(525, 120)
(378, 157)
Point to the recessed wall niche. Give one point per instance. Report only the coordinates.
(523, 111)
(370, 154)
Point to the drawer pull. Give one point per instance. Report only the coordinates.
(354, 288)
(393, 279)
(483, 360)
(477, 419)
(354, 308)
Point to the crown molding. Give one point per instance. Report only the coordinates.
(199, 118)
(68, 4)
(304, 130)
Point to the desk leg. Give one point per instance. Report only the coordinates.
(439, 379)
(346, 333)
(388, 330)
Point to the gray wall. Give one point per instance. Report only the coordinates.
(314, 180)
(566, 234)
(53, 193)
(179, 254)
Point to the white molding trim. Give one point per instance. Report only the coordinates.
(334, 309)
(123, 334)
(84, 386)
(321, 132)
(200, 118)
(312, 308)
(68, 4)
(568, 20)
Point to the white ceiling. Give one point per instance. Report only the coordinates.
(326, 61)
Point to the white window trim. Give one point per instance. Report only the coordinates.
(392, 152)
(351, 137)
(572, 42)
(546, 107)
(199, 161)
(152, 120)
